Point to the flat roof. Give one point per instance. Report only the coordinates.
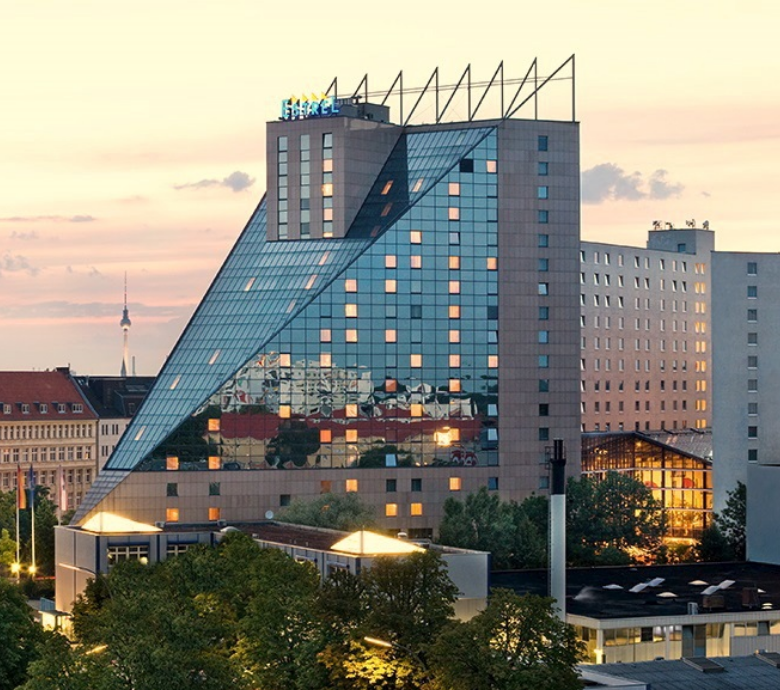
(605, 593)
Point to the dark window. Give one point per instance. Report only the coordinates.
(416, 311)
(542, 143)
(492, 312)
(284, 500)
(543, 168)
(544, 313)
(753, 454)
(544, 433)
(752, 432)
(544, 410)
(391, 485)
(467, 165)
(172, 489)
(416, 484)
(543, 216)
(543, 240)
(214, 489)
(752, 268)
(752, 291)
(492, 483)
(752, 314)
(544, 385)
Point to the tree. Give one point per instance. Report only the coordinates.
(19, 636)
(7, 550)
(516, 643)
(733, 519)
(515, 534)
(609, 518)
(334, 511)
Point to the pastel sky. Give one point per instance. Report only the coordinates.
(133, 135)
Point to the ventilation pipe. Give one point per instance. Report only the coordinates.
(558, 528)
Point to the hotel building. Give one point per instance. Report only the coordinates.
(399, 318)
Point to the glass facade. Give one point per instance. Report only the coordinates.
(680, 482)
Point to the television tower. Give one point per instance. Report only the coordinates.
(125, 323)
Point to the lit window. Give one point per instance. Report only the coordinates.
(351, 410)
(454, 311)
(386, 210)
(455, 484)
(284, 359)
(415, 361)
(327, 189)
(492, 263)
(390, 335)
(352, 335)
(327, 165)
(324, 259)
(172, 463)
(391, 261)
(249, 285)
(214, 514)
(387, 187)
(544, 289)
(350, 285)
(417, 410)
(391, 285)
(175, 382)
(391, 385)
(214, 424)
(491, 166)
(325, 359)
(350, 311)
(454, 336)
(310, 282)
(327, 214)
(454, 188)
(415, 261)
(492, 361)
(391, 510)
(454, 361)
(454, 263)
(455, 386)
(351, 485)
(415, 236)
(284, 411)
(325, 335)
(351, 435)
(416, 509)
(418, 185)
(214, 357)
(171, 515)
(453, 213)
(454, 287)
(214, 463)
(326, 435)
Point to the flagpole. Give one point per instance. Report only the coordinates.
(33, 567)
(18, 545)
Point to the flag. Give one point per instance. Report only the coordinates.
(62, 491)
(31, 486)
(21, 494)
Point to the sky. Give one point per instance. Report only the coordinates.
(132, 135)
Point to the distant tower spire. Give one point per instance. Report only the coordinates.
(125, 323)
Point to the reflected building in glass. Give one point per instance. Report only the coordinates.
(399, 318)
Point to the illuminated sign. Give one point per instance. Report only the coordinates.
(309, 106)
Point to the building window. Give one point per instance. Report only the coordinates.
(752, 338)
(171, 463)
(391, 510)
(415, 237)
(416, 484)
(543, 288)
(544, 433)
(542, 240)
(171, 515)
(492, 483)
(172, 489)
(351, 485)
(752, 362)
(752, 432)
(543, 217)
(753, 455)
(542, 192)
(491, 166)
(752, 291)
(752, 315)
(415, 361)
(416, 509)
(391, 485)
(542, 143)
(544, 361)
(455, 484)
(214, 489)
(284, 500)
(214, 514)
(542, 168)
(752, 268)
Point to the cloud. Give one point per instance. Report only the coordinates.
(16, 264)
(238, 181)
(32, 235)
(609, 182)
(79, 218)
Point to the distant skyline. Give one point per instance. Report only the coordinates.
(133, 138)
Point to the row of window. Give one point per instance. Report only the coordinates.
(49, 478)
(606, 342)
(43, 408)
(674, 285)
(49, 454)
(43, 431)
(700, 366)
(638, 385)
(606, 259)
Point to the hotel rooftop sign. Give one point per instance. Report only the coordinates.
(307, 107)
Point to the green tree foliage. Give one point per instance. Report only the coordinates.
(19, 636)
(7, 551)
(516, 643)
(45, 521)
(610, 518)
(725, 539)
(515, 534)
(334, 511)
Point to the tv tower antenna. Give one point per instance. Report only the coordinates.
(125, 323)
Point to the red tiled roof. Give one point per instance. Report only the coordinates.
(37, 388)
